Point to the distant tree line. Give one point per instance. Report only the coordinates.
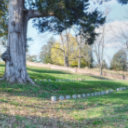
(66, 52)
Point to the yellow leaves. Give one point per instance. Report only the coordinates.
(60, 50)
(57, 54)
(68, 50)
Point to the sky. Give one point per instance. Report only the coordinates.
(117, 16)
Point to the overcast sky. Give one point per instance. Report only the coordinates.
(115, 20)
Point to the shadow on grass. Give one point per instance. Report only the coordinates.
(18, 121)
(121, 109)
(47, 89)
(47, 71)
(54, 122)
(112, 119)
(99, 77)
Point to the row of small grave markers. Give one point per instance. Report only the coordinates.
(59, 80)
(76, 96)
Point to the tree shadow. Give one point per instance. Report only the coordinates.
(116, 118)
(48, 89)
(20, 121)
(100, 77)
(47, 71)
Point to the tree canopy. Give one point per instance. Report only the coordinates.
(119, 61)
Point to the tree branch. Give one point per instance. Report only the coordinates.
(37, 14)
(58, 49)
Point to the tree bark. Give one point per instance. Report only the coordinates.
(15, 56)
(66, 61)
(101, 70)
(79, 58)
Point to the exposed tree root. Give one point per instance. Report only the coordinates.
(30, 81)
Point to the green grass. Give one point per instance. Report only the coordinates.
(27, 106)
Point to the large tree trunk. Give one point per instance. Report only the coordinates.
(15, 56)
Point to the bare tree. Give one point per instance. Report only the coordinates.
(79, 43)
(121, 35)
(65, 39)
(99, 46)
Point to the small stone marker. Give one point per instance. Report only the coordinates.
(88, 94)
(111, 90)
(79, 96)
(83, 95)
(53, 98)
(61, 97)
(118, 89)
(74, 96)
(68, 97)
(124, 88)
(96, 93)
(92, 94)
(107, 92)
(102, 93)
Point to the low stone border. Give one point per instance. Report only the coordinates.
(59, 80)
(85, 95)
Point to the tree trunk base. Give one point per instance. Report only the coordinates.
(28, 80)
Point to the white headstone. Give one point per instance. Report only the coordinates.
(68, 97)
(74, 96)
(88, 94)
(118, 89)
(107, 91)
(96, 93)
(102, 93)
(112, 90)
(61, 97)
(53, 98)
(83, 95)
(79, 96)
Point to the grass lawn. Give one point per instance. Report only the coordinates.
(27, 106)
